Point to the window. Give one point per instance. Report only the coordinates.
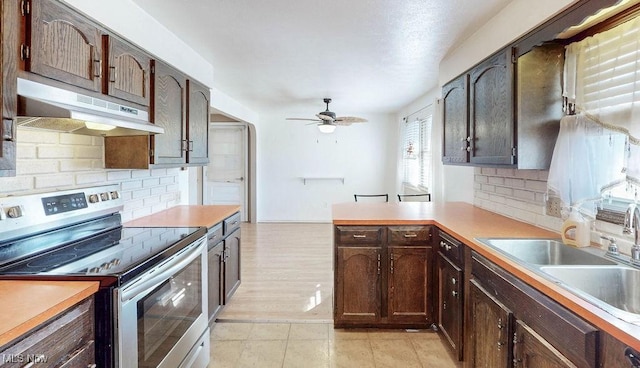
(416, 150)
(602, 79)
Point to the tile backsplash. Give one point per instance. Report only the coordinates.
(520, 194)
(47, 161)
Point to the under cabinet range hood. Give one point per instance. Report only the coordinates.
(45, 107)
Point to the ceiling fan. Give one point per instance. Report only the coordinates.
(327, 120)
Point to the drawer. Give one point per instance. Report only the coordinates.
(83, 357)
(231, 223)
(214, 235)
(358, 234)
(58, 339)
(407, 235)
(450, 247)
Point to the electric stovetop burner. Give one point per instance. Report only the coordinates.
(51, 261)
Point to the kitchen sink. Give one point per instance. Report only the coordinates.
(544, 252)
(614, 288)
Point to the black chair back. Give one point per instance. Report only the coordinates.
(385, 196)
(426, 197)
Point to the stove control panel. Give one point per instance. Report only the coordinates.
(23, 214)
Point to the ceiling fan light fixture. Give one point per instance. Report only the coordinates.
(326, 128)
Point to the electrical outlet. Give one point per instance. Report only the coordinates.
(554, 207)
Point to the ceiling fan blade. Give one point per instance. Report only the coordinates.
(324, 117)
(304, 119)
(351, 119)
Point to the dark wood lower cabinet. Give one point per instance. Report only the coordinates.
(491, 329)
(383, 276)
(65, 341)
(214, 281)
(357, 287)
(231, 264)
(450, 303)
(532, 350)
(409, 284)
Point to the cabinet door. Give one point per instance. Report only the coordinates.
(491, 113)
(615, 354)
(231, 264)
(456, 140)
(357, 288)
(450, 305)
(215, 269)
(64, 45)
(9, 28)
(533, 351)
(409, 285)
(127, 71)
(491, 329)
(168, 110)
(198, 123)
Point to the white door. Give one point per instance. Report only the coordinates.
(225, 176)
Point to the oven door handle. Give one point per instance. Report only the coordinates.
(162, 272)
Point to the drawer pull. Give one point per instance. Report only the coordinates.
(410, 235)
(359, 236)
(454, 293)
(442, 244)
(454, 281)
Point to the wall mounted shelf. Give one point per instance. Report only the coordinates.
(308, 178)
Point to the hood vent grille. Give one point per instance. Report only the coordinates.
(49, 108)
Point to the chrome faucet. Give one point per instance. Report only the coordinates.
(632, 225)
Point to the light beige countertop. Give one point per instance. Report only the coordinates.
(467, 222)
(28, 304)
(186, 216)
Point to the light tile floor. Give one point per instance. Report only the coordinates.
(310, 345)
(281, 315)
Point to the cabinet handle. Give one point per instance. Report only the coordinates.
(410, 235)
(500, 325)
(97, 64)
(454, 293)
(444, 305)
(453, 280)
(184, 145)
(468, 149)
(447, 247)
(442, 244)
(112, 74)
(190, 146)
(378, 263)
(359, 236)
(392, 263)
(500, 345)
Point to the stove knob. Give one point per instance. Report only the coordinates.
(93, 198)
(115, 195)
(104, 196)
(114, 262)
(94, 270)
(14, 212)
(105, 266)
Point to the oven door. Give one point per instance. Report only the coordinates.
(163, 313)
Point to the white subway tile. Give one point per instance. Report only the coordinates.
(58, 151)
(91, 178)
(153, 182)
(118, 175)
(488, 171)
(136, 174)
(76, 139)
(15, 184)
(505, 172)
(496, 180)
(131, 184)
(481, 179)
(76, 165)
(88, 152)
(488, 188)
(141, 193)
(514, 183)
(505, 191)
(167, 180)
(59, 181)
(151, 201)
(497, 199)
(524, 194)
(159, 172)
(36, 136)
(36, 167)
(26, 151)
(537, 185)
(159, 190)
(482, 195)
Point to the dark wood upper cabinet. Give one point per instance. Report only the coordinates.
(455, 120)
(491, 111)
(168, 110)
(62, 45)
(126, 72)
(515, 107)
(9, 28)
(197, 123)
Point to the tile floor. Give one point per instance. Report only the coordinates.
(282, 316)
(310, 345)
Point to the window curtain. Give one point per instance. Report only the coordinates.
(416, 149)
(600, 146)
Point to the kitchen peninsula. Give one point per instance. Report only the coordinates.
(384, 229)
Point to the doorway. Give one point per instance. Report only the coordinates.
(225, 178)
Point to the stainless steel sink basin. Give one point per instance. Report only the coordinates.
(544, 252)
(615, 289)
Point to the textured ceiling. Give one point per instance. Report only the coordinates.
(370, 56)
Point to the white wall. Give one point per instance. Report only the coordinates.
(362, 154)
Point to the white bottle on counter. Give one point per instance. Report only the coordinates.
(576, 230)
